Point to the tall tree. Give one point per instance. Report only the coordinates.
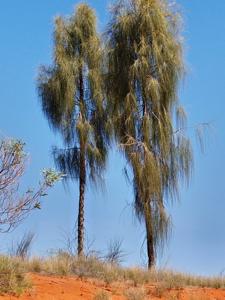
(145, 65)
(72, 99)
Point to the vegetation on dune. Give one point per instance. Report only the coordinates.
(72, 97)
(13, 277)
(102, 295)
(145, 66)
(135, 294)
(93, 267)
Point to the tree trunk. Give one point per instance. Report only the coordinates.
(149, 236)
(80, 229)
(80, 245)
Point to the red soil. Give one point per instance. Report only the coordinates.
(71, 288)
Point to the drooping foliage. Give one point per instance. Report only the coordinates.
(145, 65)
(71, 92)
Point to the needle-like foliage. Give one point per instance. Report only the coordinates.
(73, 101)
(145, 65)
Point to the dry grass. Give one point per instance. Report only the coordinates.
(199, 298)
(65, 264)
(12, 276)
(170, 280)
(102, 295)
(135, 294)
(12, 273)
(91, 267)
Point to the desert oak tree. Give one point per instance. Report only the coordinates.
(145, 65)
(72, 97)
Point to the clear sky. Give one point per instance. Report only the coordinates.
(197, 244)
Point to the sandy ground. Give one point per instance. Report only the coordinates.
(70, 288)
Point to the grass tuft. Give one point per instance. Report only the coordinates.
(135, 294)
(12, 276)
(102, 295)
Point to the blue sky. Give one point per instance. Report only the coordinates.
(197, 244)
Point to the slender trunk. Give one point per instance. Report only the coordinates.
(149, 236)
(80, 229)
(80, 246)
(148, 216)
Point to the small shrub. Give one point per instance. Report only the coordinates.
(102, 295)
(115, 254)
(22, 248)
(135, 294)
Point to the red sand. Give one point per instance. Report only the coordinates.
(71, 288)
